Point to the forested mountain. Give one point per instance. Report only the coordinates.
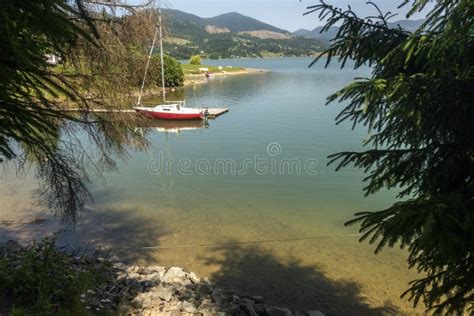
(231, 35)
(233, 21)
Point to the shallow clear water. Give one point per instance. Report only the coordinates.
(255, 177)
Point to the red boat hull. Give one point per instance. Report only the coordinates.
(173, 116)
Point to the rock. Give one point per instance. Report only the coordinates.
(277, 311)
(164, 293)
(257, 299)
(132, 283)
(133, 269)
(260, 309)
(188, 307)
(142, 300)
(148, 283)
(173, 308)
(247, 305)
(155, 299)
(157, 291)
(121, 277)
(193, 277)
(174, 275)
(153, 269)
(155, 276)
(120, 266)
(206, 312)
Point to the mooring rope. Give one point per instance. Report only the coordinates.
(238, 243)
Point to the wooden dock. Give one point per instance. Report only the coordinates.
(213, 112)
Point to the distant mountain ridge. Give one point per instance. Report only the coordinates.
(233, 21)
(409, 25)
(231, 35)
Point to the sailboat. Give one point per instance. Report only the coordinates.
(170, 111)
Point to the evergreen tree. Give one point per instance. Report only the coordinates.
(33, 94)
(418, 107)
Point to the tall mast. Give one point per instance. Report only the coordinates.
(161, 56)
(158, 31)
(146, 67)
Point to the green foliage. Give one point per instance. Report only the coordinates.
(40, 280)
(32, 93)
(29, 30)
(418, 108)
(174, 75)
(18, 312)
(231, 45)
(195, 60)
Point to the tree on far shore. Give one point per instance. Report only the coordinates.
(418, 108)
(195, 60)
(174, 75)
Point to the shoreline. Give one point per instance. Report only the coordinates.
(144, 290)
(194, 79)
(199, 79)
(266, 57)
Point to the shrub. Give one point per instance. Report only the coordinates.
(174, 75)
(195, 60)
(40, 280)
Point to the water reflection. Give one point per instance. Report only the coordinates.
(165, 126)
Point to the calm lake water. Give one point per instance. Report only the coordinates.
(249, 201)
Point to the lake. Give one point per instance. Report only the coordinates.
(248, 200)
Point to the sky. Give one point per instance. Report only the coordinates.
(285, 14)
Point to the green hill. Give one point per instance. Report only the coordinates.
(231, 35)
(237, 22)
